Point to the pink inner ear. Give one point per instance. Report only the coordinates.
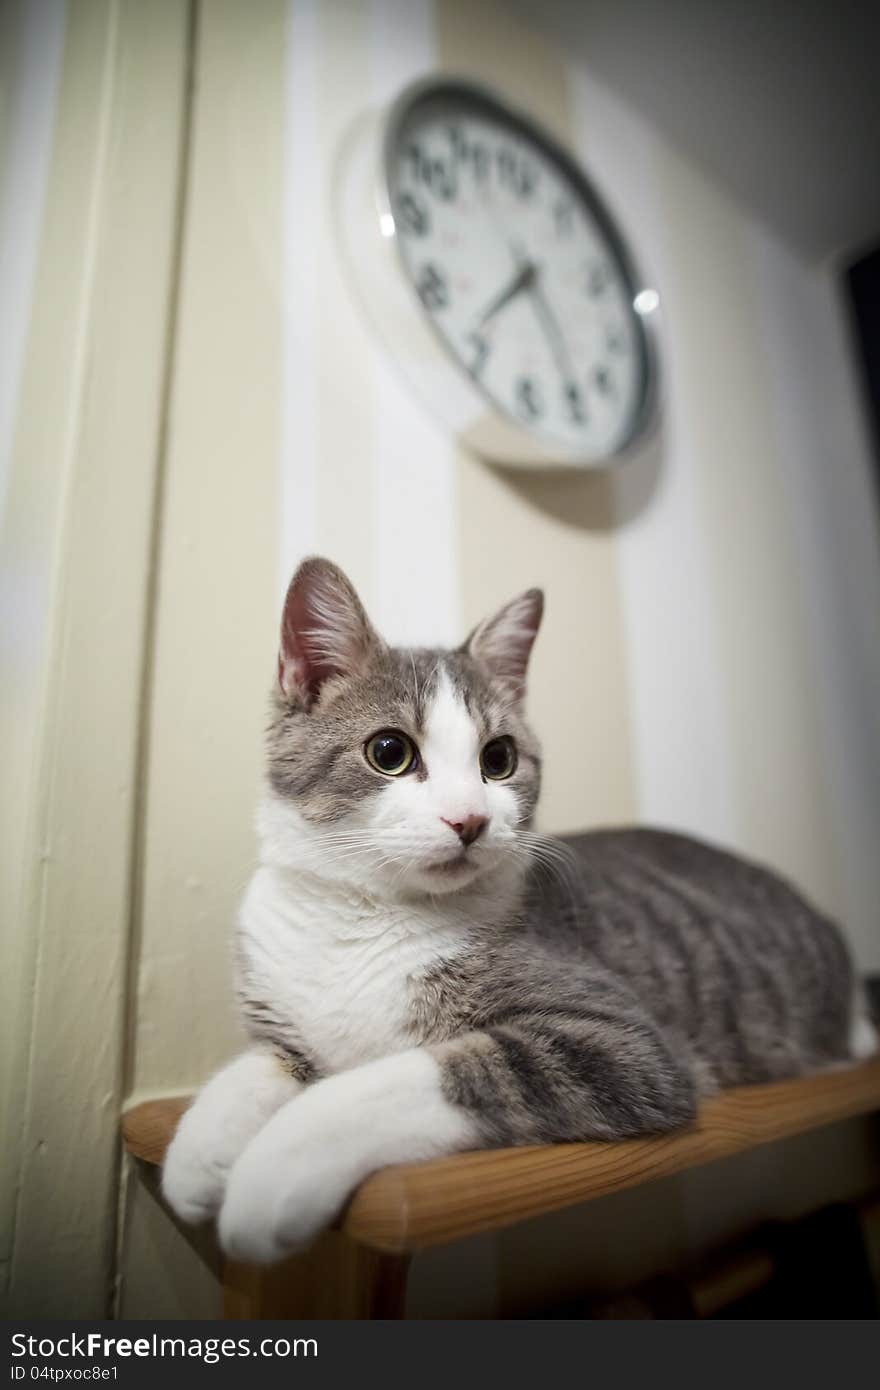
(504, 643)
(304, 662)
(292, 668)
(518, 655)
(324, 630)
(294, 676)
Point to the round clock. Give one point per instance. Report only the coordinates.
(505, 288)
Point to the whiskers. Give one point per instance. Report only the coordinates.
(549, 857)
(379, 860)
(338, 850)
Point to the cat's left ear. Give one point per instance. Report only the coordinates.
(503, 643)
(324, 631)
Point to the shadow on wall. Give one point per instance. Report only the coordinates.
(589, 501)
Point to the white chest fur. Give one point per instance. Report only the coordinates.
(336, 971)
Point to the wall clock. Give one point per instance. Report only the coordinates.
(501, 283)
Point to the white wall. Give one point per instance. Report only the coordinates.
(752, 576)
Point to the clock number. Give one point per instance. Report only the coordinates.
(441, 179)
(481, 162)
(597, 281)
(480, 346)
(458, 143)
(506, 168)
(515, 174)
(615, 341)
(412, 215)
(604, 381)
(413, 157)
(563, 217)
(527, 181)
(433, 289)
(435, 173)
(528, 396)
(465, 153)
(575, 401)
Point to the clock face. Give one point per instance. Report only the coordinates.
(520, 269)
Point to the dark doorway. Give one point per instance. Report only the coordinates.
(862, 280)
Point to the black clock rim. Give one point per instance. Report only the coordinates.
(428, 91)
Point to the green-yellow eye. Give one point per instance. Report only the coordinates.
(390, 752)
(498, 759)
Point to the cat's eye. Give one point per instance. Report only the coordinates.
(498, 759)
(390, 752)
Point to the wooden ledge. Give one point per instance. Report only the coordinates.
(411, 1207)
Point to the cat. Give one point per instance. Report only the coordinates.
(419, 973)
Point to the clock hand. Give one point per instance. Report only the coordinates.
(546, 317)
(521, 281)
(552, 332)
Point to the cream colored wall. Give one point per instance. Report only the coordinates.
(752, 574)
(212, 644)
(75, 551)
(557, 533)
(683, 671)
(214, 627)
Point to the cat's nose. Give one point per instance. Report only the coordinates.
(469, 829)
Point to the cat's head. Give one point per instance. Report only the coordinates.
(403, 771)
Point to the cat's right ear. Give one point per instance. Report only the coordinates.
(503, 643)
(324, 631)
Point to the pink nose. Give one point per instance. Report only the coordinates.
(469, 829)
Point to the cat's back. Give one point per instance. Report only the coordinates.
(644, 874)
(724, 952)
(615, 854)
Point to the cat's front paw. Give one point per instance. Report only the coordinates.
(279, 1197)
(193, 1180)
(217, 1128)
(296, 1175)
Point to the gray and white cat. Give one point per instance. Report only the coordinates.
(420, 974)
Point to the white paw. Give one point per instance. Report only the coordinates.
(217, 1128)
(193, 1179)
(297, 1174)
(864, 1041)
(279, 1197)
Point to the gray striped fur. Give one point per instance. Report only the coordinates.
(652, 971)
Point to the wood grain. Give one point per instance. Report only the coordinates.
(336, 1278)
(148, 1128)
(410, 1208)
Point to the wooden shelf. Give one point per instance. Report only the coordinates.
(409, 1208)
